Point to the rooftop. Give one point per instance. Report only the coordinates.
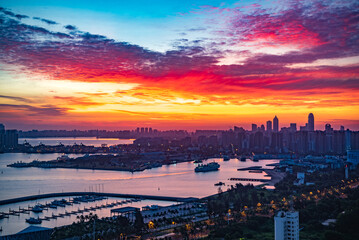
(124, 210)
(33, 229)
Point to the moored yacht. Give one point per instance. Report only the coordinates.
(37, 209)
(34, 220)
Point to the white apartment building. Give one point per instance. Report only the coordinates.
(286, 225)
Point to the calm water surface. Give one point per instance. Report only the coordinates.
(177, 180)
(171, 180)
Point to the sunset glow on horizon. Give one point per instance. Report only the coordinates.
(171, 65)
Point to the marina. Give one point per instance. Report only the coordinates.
(22, 217)
(39, 208)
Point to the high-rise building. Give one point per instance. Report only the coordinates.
(328, 128)
(286, 225)
(269, 126)
(275, 124)
(254, 127)
(11, 138)
(293, 127)
(262, 128)
(310, 125)
(348, 144)
(328, 143)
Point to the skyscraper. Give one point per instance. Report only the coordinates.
(262, 128)
(310, 122)
(275, 124)
(269, 126)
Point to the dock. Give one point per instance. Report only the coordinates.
(65, 203)
(253, 168)
(61, 215)
(249, 179)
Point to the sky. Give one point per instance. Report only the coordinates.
(178, 64)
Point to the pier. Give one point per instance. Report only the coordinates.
(14, 212)
(249, 179)
(79, 211)
(45, 206)
(253, 168)
(117, 195)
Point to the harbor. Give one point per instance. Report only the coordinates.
(169, 181)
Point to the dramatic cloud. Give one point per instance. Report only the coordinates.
(321, 31)
(245, 59)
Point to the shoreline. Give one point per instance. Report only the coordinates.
(276, 177)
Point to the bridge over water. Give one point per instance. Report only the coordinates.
(119, 195)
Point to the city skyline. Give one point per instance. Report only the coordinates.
(199, 65)
(259, 140)
(267, 126)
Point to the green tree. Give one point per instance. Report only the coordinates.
(139, 224)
